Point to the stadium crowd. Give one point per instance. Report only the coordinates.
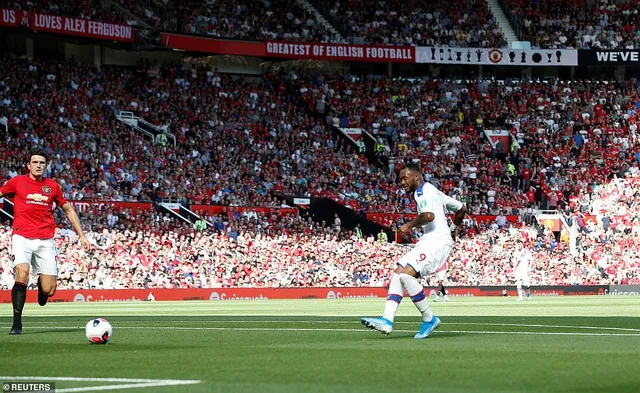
(557, 127)
(261, 251)
(461, 23)
(577, 24)
(241, 141)
(244, 141)
(96, 10)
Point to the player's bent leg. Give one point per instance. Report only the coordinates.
(394, 297)
(46, 268)
(410, 283)
(19, 295)
(47, 285)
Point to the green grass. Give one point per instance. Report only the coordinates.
(562, 344)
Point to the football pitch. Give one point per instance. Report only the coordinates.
(552, 344)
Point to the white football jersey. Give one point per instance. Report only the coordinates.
(523, 260)
(430, 200)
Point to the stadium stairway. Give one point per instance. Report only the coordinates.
(321, 9)
(180, 211)
(126, 13)
(503, 21)
(150, 131)
(324, 209)
(6, 209)
(320, 17)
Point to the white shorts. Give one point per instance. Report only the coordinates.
(39, 253)
(523, 280)
(426, 258)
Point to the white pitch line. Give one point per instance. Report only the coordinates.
(178, 328)
(121, 387)
(125, 383)
(395, 323)
(88, 379)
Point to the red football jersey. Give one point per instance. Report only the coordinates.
(33, 206)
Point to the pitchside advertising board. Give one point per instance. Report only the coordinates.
(243, 294)
(624, 290)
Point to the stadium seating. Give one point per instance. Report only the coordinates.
(461, 23)
(135, 259)
(81, 9)
(268, 121)
(435, 123)
(579, 24)
(231, 131)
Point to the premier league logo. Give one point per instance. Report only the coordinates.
(46, 190)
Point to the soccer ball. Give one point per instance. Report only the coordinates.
(98, 331)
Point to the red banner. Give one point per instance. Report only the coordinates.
(66, 25)
(13, 18)
(212, 45)
(322, 51)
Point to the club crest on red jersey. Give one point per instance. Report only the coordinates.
(46, 190)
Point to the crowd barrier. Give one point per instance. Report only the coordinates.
(224, 294)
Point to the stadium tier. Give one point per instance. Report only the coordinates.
(579, 24)
(461, 23)
(245, 141)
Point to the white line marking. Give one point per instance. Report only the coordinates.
(121, 386)
(125, 383)
(178, 328)
(354, 321)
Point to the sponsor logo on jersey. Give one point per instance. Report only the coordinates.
(38, 197)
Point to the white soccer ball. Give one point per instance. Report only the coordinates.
(98, 331)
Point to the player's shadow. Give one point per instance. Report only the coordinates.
(436, 336)
(47, 331)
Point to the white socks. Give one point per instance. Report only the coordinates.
(416, 292)
(393, 298)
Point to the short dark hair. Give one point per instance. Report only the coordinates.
(412, 167)
(38, 152)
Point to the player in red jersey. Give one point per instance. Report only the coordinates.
(33, 230)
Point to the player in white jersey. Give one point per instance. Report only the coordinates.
(523, 259)
(430, 253)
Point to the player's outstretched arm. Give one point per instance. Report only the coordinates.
(75, 222)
